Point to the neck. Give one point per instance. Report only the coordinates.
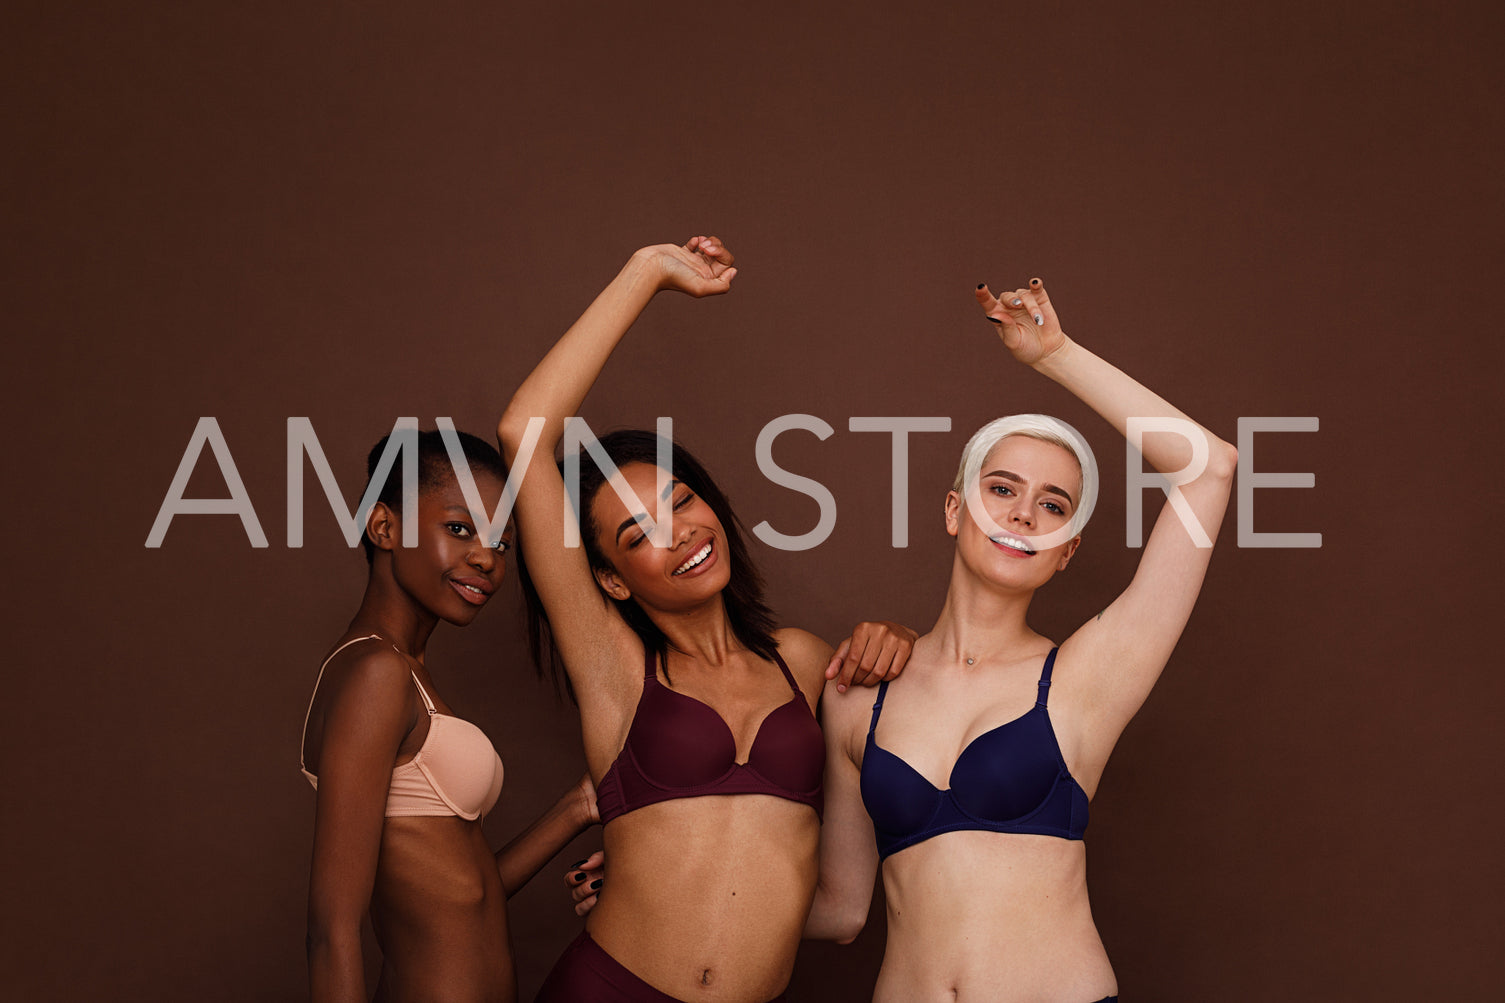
(979, 621)
(390, 612)
(703, 633)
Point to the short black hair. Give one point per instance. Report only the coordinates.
(434, 468)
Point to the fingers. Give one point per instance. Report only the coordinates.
(585, 896)
(713, 262)
(875, 652)
(584, 881)
(989, 303)
(899, 652)
(858, 661)
(1046, 312)
(1008, 306)
(1030, 302)
(837, 658)
(712, 249)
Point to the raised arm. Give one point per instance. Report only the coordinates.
(586, 631)
(1121, 651)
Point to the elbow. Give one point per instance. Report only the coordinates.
(1222, 461)
(844, 937)
(332, 928)
(325, 941)
(511, 428)
(838, 921)
(849, 926)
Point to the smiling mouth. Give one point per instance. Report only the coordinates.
(695, 560)
(1013, 543)
(474, 594)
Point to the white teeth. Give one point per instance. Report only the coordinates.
(1012, 541)
(472, 588)
(700, 555)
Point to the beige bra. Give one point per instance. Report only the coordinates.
(455, 772)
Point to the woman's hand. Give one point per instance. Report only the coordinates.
(877, 650)
(702, 267)
(1026, 321)
(584, 881)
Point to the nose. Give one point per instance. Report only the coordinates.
(1022, 512)
(482, 557)
(682, 532)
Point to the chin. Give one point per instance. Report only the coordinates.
(463, 617)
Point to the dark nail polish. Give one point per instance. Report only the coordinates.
(995, 320)
(577, 877)
(1034, 282)
(981, 284)
(595, 884)
(580, 861)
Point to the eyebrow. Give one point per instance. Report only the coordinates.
(1009, 475)
(631, 521)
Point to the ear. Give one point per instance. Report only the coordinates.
(611, 584)
(1066, 554)
(953, 513)
(383, 526)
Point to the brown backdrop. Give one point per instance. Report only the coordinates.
(359, 211)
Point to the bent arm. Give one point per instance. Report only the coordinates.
(586, 630)
(536, 845)
(848, 849)
(1123, 650)
(1133, 638)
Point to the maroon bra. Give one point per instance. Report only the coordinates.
(679, 747)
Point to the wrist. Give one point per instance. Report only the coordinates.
(1051, 363)
(582, 814)
(646, 267)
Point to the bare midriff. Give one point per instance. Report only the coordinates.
(987, 917)
(439, 910)
(706, 897)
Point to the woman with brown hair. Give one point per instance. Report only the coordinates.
(697, 710)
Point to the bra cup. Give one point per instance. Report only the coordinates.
(788, 749)
(679, 741)
(1005, 774)
(897, 797)
(462, 764)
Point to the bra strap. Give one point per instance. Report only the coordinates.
(650, 666)
(877, 708)
(423, 693)
(1050, 661)
(789, 676)
(309, 713)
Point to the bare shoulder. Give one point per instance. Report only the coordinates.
(806, 655)
(367, 670)
(845, 715)
(364, 706)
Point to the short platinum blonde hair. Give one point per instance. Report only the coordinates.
(1033, 426)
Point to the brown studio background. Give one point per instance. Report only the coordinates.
(354, 212)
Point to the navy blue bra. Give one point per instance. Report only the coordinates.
(1010, 779)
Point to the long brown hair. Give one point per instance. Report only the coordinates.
(751, 620)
